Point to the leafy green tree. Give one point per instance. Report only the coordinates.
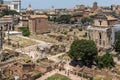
(84, 50)
(105, 61)
(117, 44)
(86, 19)
(24, 13)
(92, 17)
(73, 21)
(64, 19)
(9, 12)
(77, 15)
(65, 33)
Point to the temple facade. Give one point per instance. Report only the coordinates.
(102, 32)
(13, 5)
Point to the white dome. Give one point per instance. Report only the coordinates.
(29, 8)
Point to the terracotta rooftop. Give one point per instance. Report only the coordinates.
(111, 18)
(38, 16)
(105, 16)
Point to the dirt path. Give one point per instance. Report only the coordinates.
(71, 76)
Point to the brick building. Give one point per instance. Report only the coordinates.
(38, 24)
(3, 7)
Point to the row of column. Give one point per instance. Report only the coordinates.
(6, 27)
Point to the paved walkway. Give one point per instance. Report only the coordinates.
(71, 76)
(31, 50)
(55, 57)
(66, 66)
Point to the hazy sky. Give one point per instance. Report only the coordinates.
(46, 4)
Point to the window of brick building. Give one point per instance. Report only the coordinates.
(100, 22)
(39, 20)
(100, 37)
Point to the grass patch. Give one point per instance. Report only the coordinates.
(23, 42)
(25, 31)
(58, 77)
(100, 77)
(118, 72)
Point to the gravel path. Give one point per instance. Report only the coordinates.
(71, 76)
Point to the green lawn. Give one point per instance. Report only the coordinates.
(58, 77)
(100, 77)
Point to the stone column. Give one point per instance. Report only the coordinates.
(5, 27)
(1, 39)
(11, 27)
(8, 29)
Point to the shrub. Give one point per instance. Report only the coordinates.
(85, 35)
(36, 76)
(65, 33)
(105, 61)
(27, 60)
(25, 31)
(80, 29)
